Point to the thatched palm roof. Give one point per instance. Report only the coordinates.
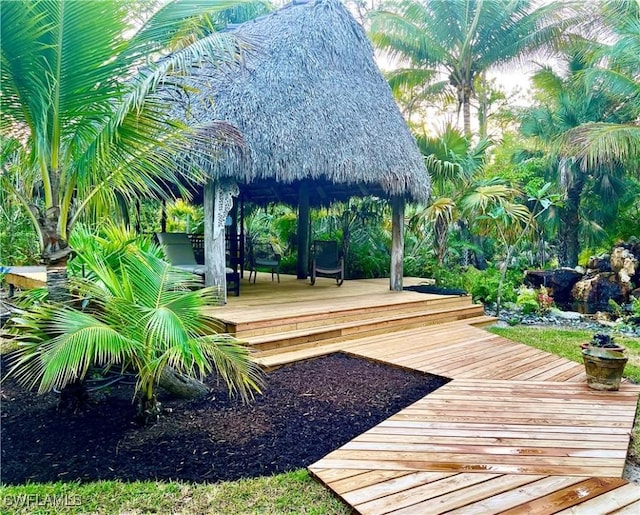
(312, 105)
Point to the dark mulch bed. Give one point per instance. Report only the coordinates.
(427, 288)
(308, 409)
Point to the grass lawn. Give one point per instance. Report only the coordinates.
(566, 343)
(294, 492)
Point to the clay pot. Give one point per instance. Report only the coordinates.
(604, 368)
(589, 345)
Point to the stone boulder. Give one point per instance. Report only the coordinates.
(595, 291)
(599, 263)
(560, 282)
(624, 263)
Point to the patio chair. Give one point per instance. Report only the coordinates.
(263, 256)
(179, 252)
(326, 261)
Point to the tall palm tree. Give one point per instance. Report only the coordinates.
(602, 144)
(78, 93)
(568, 102)
(454, 41)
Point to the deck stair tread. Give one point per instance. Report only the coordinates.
(294, 318)
(380, 323)
(279, 356)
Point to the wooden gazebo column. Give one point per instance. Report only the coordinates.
(397, 243)
(303, 231)
(214, 244)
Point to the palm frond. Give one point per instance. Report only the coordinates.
(605, 145)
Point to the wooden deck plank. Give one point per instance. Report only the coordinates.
(391, 486)
(426, 491)
(477, 448)
(630, 509)
(532, 441)
(553, 468)
(498, 434)
(362, 481)
(468, 494)
(568, 497)
(516, 497)
(619, 498)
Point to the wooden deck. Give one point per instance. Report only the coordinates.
(515, 431)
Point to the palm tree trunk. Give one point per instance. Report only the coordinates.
(466, 115)
(441, 227)
(57, 283)
(569, 244)
(148, 407)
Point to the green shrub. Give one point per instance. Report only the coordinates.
(527, 300)
(483, 284)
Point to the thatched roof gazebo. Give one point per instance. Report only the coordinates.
(318, 120)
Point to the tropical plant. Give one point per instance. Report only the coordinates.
(501, 214)
(132, 311)
(83, 125)
(450, 43)
(568, 101)
(606, 143)
(452, 162)
(360, 225)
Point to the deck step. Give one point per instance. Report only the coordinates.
(273, 358)
(363, 326)
(340, 312)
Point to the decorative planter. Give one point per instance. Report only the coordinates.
(589, 345)
(604, 368)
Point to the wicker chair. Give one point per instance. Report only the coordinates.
(326, 261)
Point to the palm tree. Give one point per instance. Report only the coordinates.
(79, 95)
(569, 104)
(140, 315)
(452, 162)
(602, 144)
(456, 41)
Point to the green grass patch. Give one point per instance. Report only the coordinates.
(292, 492)
(566, 343)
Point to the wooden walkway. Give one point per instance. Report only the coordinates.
(516, 431)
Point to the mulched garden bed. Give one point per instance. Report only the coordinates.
(307, 410)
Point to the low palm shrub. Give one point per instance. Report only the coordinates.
(131, 311)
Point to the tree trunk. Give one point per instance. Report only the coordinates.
(73, 397)
(149, 409)
(466, 114)
(182, 386)
(568, 236)
(441, 227)
(57, 283)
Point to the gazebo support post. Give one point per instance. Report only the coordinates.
(303, 230)
(397, 243)
(214, 244)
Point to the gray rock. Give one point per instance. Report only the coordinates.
(566, 315)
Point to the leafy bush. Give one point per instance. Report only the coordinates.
(483, 284)
(527, 300)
